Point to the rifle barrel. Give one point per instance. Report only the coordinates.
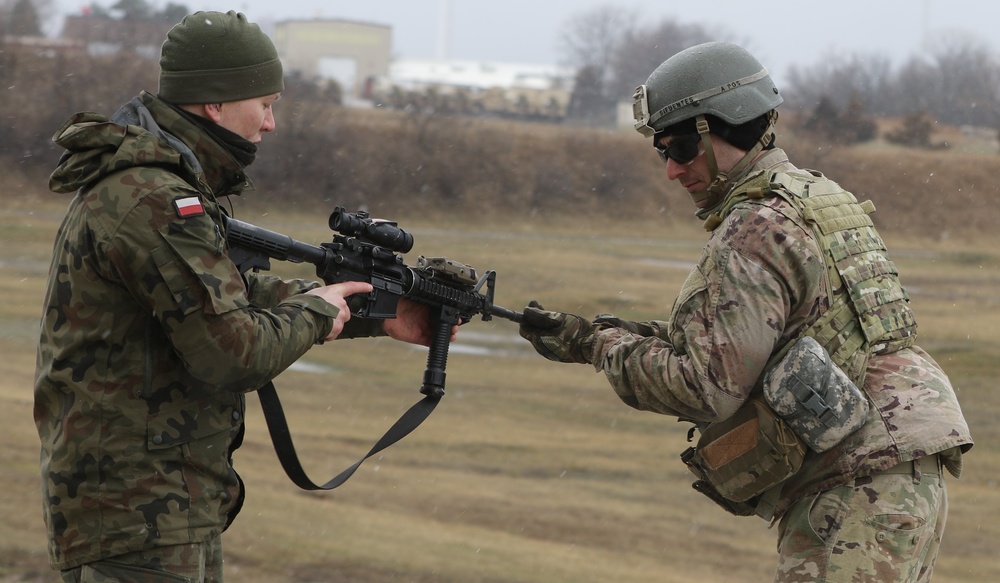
(506, 314)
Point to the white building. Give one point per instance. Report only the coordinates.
(476, 75)
(525, 91)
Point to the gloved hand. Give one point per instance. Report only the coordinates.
(605, 321)
(557, 336)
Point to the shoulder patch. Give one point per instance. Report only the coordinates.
(189, 206)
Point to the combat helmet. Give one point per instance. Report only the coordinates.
(717, 79)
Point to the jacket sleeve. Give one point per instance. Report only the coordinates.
(178, 267)
(731, 314)
(265, 291)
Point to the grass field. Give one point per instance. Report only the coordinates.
(529, 471)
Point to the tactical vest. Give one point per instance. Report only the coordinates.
(869, 312)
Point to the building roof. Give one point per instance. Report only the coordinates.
(476, 74)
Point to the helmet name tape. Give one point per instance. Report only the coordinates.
(645, 124)
(707, 93)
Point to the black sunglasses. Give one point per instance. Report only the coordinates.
(681, 149)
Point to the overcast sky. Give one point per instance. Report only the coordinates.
(780, 33)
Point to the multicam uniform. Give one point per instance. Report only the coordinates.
(150, 337)
(761, 282)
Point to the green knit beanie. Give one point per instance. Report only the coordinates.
(211, 57)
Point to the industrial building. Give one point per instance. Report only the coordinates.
(353, 54)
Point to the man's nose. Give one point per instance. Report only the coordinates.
(675, 170)
(268, 125)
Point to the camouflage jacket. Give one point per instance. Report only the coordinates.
(760, 282)
(150, 337)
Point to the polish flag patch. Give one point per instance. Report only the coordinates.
(189, 206)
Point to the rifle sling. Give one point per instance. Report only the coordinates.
(281, 437)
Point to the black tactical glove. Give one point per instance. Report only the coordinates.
(558, 336)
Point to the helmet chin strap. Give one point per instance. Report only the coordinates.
(720, 181)
(701, 124)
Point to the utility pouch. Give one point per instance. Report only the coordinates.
(817, 400)
(738, 508)
(745, 455)
(705, 487)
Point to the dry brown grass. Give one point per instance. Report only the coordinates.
(529, 471)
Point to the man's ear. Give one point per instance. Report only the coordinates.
(213, 111)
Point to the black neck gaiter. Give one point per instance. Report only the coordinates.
(243, 150)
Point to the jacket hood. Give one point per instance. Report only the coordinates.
(143, 132)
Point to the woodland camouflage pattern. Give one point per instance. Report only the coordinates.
(150, 338)
(762, 281)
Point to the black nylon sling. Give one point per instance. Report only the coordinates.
(281, 437)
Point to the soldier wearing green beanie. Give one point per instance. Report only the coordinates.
(150, 335)
(212, 57)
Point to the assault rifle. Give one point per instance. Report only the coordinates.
(370, 250)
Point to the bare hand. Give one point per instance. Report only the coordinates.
(337, 295)
(412, 323)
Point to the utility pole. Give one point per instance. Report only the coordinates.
(444, 30)
(925, 27)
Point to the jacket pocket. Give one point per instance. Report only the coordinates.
(199, 277)
(184, 422)
(692, 300)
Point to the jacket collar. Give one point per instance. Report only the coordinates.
(208, 160)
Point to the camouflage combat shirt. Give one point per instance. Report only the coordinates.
(150, 337)
(761, 280)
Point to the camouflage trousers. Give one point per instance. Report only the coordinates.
(885, 527)
(192, 563)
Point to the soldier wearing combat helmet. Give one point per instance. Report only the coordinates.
(150, 337)
(791, 346)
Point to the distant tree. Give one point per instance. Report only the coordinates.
(588, 44)
(612, 54)
(22, 19)
(589, 104)
(96, 10)
(855, 123)
(911, 89)
(967, 83)
(823, 118)
(838, 79)
(173, 12)
(136, 10)
(850, 126)
(915, 131)
(642, 49)
(958, 82)
(133, 10)
(591, 39)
